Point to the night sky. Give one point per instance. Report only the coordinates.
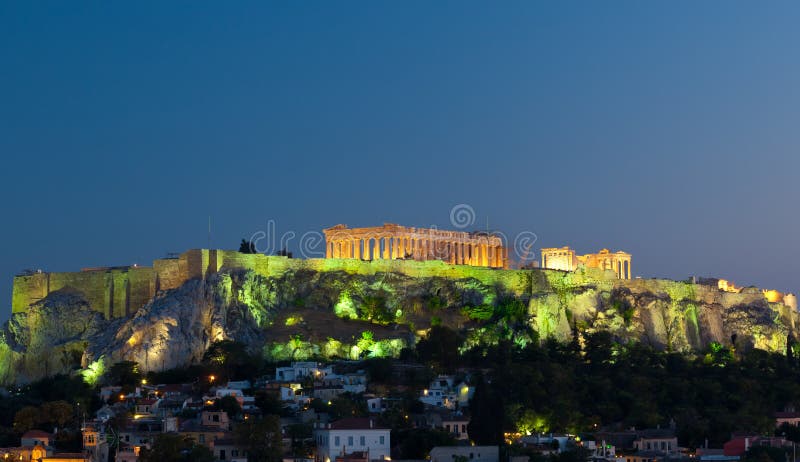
(666, 129)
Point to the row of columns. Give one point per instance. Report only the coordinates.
(454, 252)
(622, 268)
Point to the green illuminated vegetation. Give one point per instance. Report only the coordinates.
(94, 372)
(290, 309)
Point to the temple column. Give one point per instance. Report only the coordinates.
(402, 247)
(376, 249)
(356, 245)
(451, 252)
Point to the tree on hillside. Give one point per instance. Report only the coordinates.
(486, 408)
(247, 246)
(261, 439)
(440, 347)
(56, 413)
(26, 419)
(227, 357)
(125, 373)
(229, 405)
(174, 447)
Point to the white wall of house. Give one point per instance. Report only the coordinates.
(332, 443)
(470, 453)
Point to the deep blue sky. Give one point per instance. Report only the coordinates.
(667, 129)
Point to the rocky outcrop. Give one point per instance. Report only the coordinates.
(48, 338)
(304, 313)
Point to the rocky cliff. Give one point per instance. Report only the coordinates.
(335, 314)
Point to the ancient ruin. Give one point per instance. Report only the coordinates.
(565, 259)
(394, 242)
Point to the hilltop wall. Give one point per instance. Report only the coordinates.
(121, 291)
(114, 292)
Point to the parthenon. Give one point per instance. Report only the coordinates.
(565, 259)
(392, 241)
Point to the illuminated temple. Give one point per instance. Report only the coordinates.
(565, 259)
(392, 241)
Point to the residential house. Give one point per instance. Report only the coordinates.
(663, 441)
(301, 369)
(444, 392)
(354, 382)
(36, 437)
(467, 453)
(146, 406)
(328, 390)
(204, 430)
(350, 435)
(226, 449)
(788, 417)
(741, 443)
(456, 423)
(67, 457)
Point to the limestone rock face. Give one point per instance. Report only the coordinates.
(175, 329)
(47, 338)
(338, 314)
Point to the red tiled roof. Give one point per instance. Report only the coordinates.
(68, 455)
(36, 434)
(356, 423)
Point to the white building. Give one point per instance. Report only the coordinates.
(350, 435)
(301, 369)
(456, 425)
(443, 392)
(354, 382)
(469, 453)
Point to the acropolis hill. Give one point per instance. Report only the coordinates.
(372, 303)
